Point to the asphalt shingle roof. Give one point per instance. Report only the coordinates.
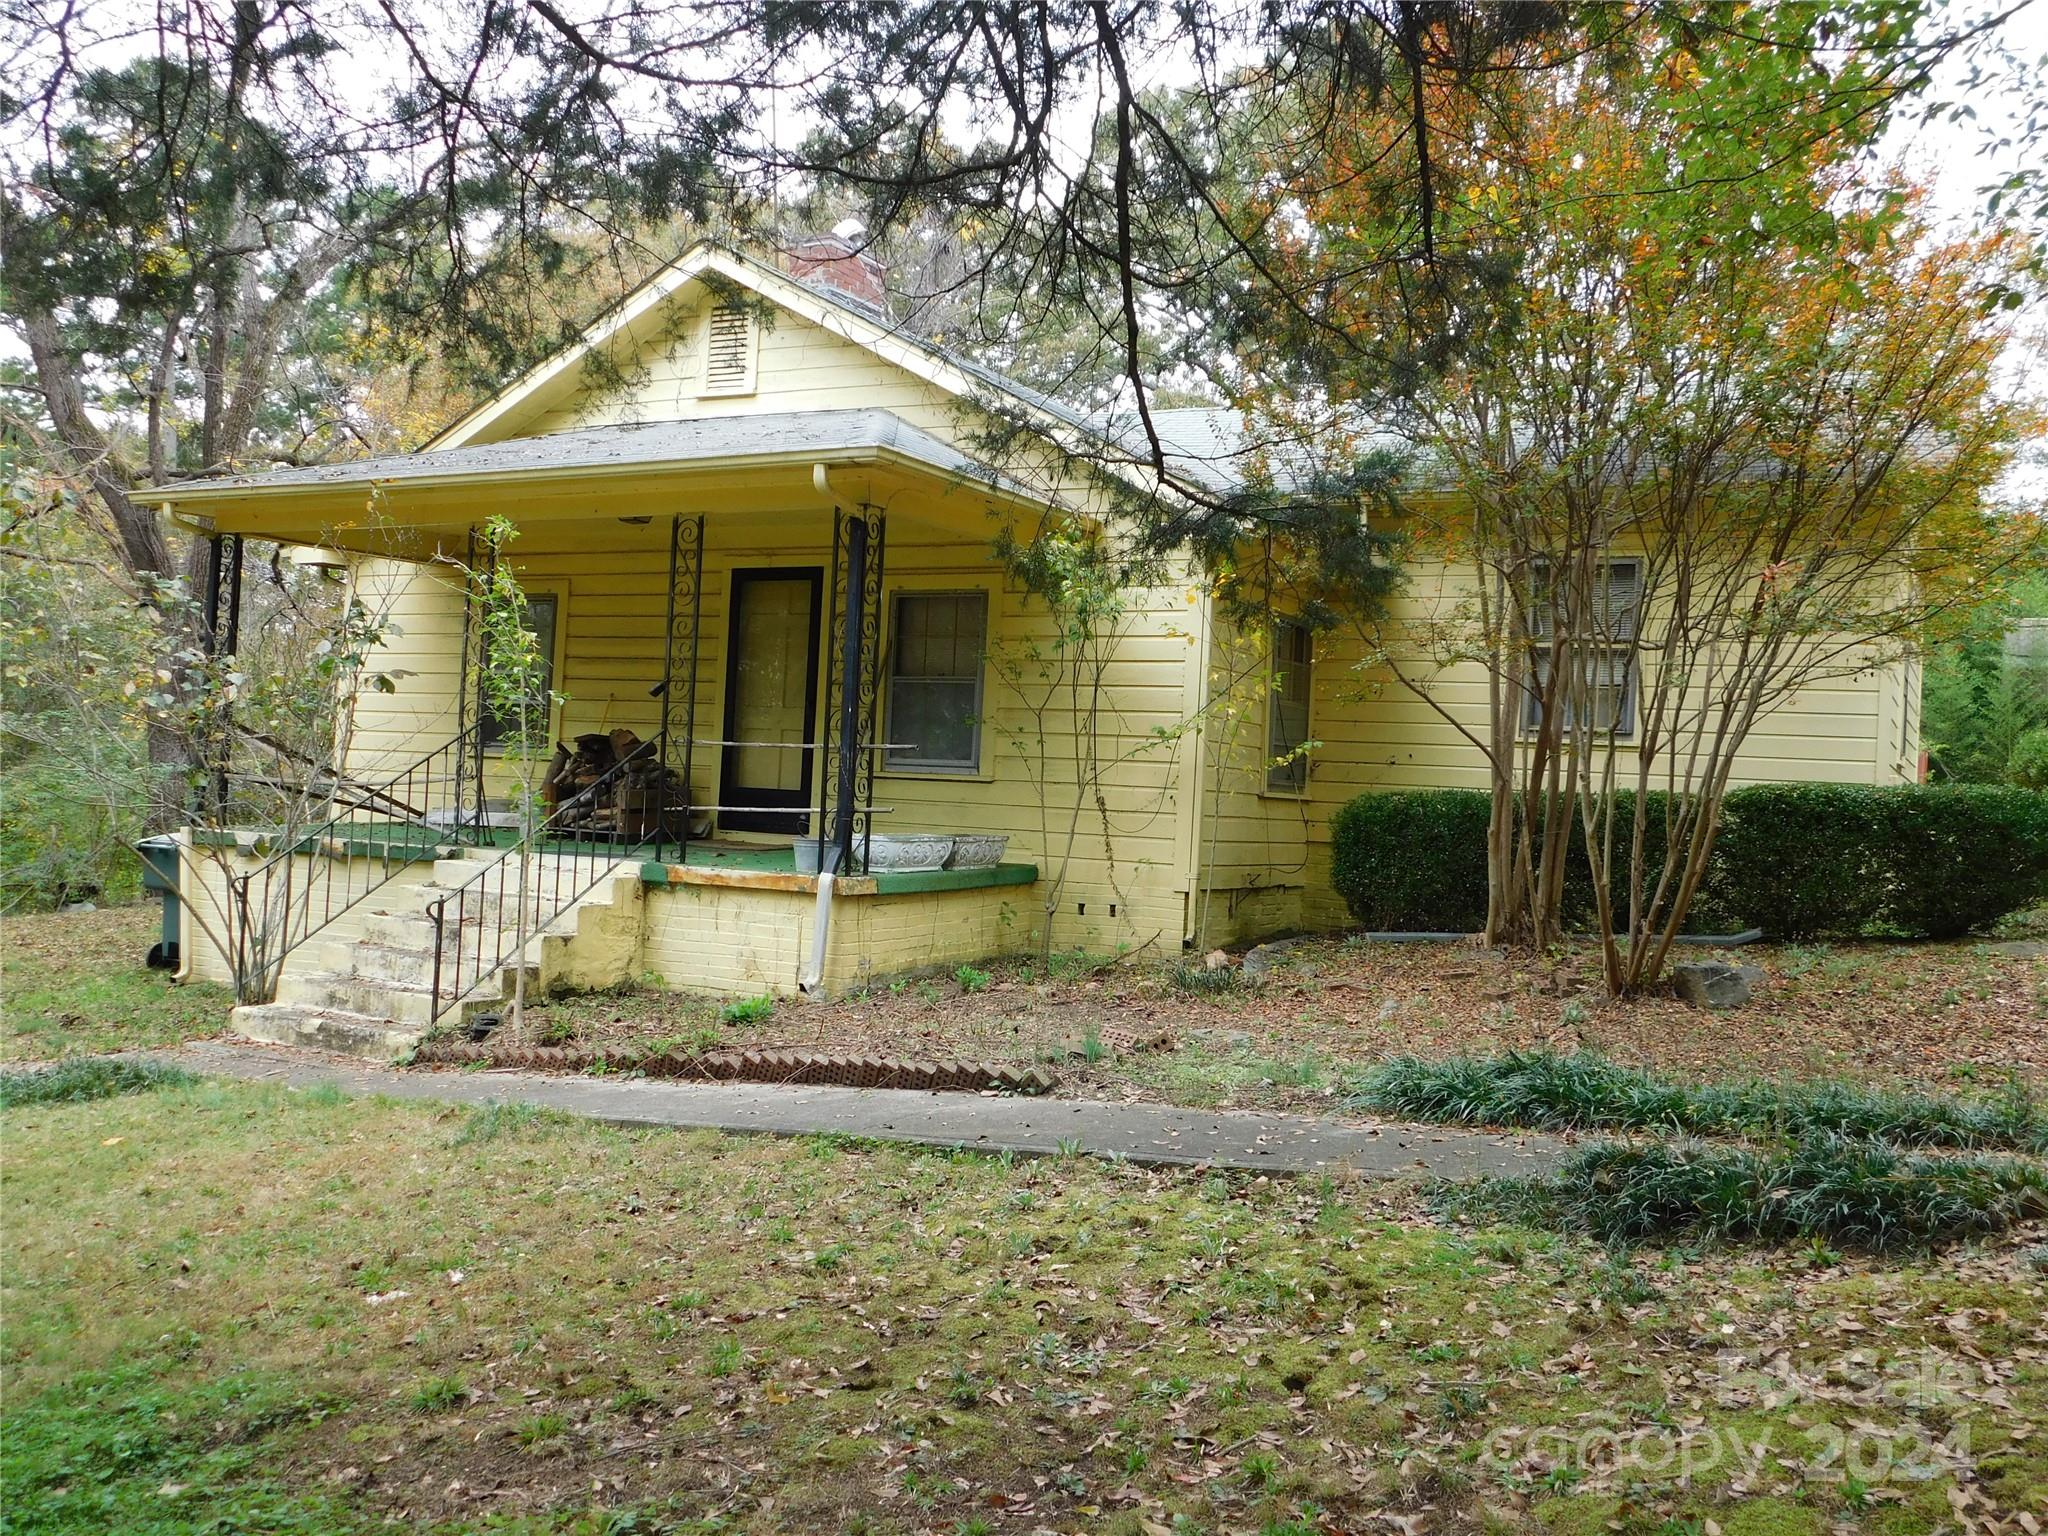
(636, 444)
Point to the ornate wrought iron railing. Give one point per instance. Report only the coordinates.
(317, 873)
(485, 923)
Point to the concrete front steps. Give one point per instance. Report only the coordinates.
(373, 998)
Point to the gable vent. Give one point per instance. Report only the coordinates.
(729, 351)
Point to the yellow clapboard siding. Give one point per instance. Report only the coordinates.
(1379, 734)
(1193, 840)
(613, 620)
(799, 366)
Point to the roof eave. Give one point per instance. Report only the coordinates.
(182, 501)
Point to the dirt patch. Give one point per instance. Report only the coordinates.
(57, 945)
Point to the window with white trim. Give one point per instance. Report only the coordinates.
(1606, 664)
(1287, 707)
(938, 642)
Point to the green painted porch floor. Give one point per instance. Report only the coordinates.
(399, 840)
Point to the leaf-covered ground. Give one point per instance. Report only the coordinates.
(1954, 1016)
(75, 981)
(280, 1311)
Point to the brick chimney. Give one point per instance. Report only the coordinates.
(833, 261)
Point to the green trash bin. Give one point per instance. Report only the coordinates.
(159, 856)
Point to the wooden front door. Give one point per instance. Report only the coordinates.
(771, 697)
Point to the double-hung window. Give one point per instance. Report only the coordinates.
(935, 663)
(1287, 708)
(1602, 651)
(543, 612)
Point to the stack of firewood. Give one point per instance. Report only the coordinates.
(584, 792)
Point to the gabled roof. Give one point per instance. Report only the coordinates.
(1209, 451)
(823, 306)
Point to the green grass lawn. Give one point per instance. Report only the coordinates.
(75, 981)
(236, 1308)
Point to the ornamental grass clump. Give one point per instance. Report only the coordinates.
(1850, 1193)
(82, 1079)
(1542, 1090)
(1546, 1090)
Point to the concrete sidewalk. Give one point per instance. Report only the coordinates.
(1142, 1133)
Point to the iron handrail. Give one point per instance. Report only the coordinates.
(579, 858)
(300, 909)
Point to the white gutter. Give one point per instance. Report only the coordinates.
(339, 486)
(811, 979)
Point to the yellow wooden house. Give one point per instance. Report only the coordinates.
(756, 532)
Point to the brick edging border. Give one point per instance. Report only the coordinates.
(761, 1066)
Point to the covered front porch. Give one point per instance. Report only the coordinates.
(776, 664)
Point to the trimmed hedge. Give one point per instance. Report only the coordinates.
(1930, 860)
(1709, 913)
(1963, 855)
(1796, 860)
(1413, 860)
(1803, 859)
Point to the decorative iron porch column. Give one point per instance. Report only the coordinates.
(223, 638)
(679, 667)
(469, 693)
(852, 685)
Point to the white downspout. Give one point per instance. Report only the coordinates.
(810, 979)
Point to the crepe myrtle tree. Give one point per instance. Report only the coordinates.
(1728, 445)
(513, 677)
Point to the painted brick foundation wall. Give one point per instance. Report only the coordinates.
(202, 881)
(736, 942)
(880, 935)
(1251, 913)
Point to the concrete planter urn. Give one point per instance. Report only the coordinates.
(978, 850)
(896, 855)
(908, 851)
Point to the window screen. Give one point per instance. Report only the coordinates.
(1609, 682)
(541, 611)
(1287, 709)
(1617, 599)
(935, 681)
(1609, 674)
